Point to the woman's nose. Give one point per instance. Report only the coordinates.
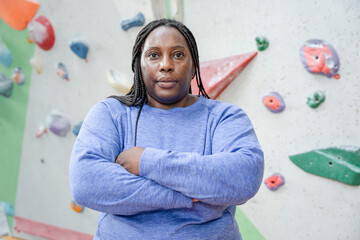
(166, 64)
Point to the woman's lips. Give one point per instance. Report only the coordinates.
(165, 82)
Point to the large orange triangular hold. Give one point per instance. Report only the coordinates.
(18, 13)
(217, 74)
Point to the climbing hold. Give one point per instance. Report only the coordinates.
(42, 160)
(61, 71)
(6, 85)
(58, 124)
(337, 76)
(338, 163)
(40, 131)
(79, 47)
(318, 56)
(274, 182)
(37, 62)
(42, 33)
(217, 74)
(136, 21)
(76, 207)
(4, 228)
(8, 209)
(18, 13)
(18, 76)
(274, 102)
(5, 54)
(262, 43)
(76, 128)
(316, 99)
(28, 40)
(168, 9)
(118, 80)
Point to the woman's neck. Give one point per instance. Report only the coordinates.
(184, 102)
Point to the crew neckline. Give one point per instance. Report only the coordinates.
(190, 108)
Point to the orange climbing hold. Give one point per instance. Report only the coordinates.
(76, 207)
(18, 13)
(217, 74)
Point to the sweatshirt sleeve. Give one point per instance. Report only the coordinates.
(98, 183)
(231, 175)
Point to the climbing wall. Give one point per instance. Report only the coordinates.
(43, 195)
(306, 206)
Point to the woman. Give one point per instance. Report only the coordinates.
(161, 163)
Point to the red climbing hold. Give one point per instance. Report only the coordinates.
(217, 74)
(42, 33)
(274, 182)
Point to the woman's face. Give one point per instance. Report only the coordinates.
(167, 67)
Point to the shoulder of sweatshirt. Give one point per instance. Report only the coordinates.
(222, 109)
(110, 106)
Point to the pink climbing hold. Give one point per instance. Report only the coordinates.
(274, 182)
(274, 102)
(319, 56)
(40, 131)
(217, 74)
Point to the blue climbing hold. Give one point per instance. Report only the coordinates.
(8, 209)
(62, 72)
(76, 128)
(5, 55)
(18, 76)
(79, 48)
(6, 85)
(136, 21)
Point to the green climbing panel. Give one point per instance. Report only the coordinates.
(13, 113)
(338, 163)
(247, 229)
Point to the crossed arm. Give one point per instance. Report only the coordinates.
(98, 183)
(130, 159)
(147, 179)
(224, 178)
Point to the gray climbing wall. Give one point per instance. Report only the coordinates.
(307, 206)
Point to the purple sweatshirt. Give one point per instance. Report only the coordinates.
(207, 151)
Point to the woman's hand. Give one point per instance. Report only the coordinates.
(130, 159)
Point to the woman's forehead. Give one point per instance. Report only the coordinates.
(164, 36)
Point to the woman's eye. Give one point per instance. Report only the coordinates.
(179, 55)
(153, 55)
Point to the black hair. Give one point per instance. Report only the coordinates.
(138, 94)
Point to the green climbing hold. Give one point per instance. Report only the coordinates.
(262, 43)
(338, 163)
(316, 99)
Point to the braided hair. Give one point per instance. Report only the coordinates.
(138, 94)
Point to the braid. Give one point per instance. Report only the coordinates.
(138, 94)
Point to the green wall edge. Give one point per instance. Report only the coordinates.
(247, 229)
(13, 113)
